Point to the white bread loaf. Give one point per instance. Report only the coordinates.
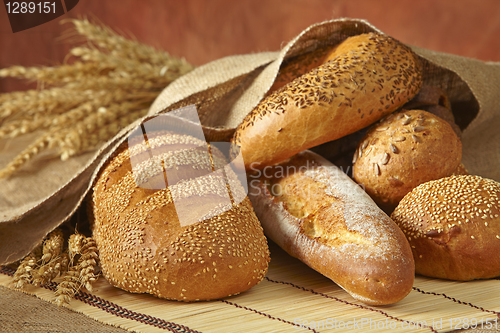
(316, 213)
(216, 249)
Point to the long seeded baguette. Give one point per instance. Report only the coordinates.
(316, 213)
(370, 76)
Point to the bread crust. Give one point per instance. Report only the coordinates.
(403, 151)
(372, 77)
(326, 220)
(434, 100)
(453, 226)
(145, 248)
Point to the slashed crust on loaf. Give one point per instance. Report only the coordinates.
(320, 216)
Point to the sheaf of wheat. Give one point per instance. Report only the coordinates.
(105, 83)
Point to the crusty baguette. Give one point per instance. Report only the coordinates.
(371, 76)
(215, 249)
(317, 214)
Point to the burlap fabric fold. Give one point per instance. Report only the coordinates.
(48, 191)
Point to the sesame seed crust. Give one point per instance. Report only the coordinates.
(368, 76)
(145, 248)
(410, 147)
(453, 226)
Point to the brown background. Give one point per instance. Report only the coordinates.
(204, 30)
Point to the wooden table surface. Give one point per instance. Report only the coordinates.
(204, 30)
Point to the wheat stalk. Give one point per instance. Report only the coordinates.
(52, 262)
(105, 38)
(105, 84)
(88, 262)
(75, 243)
(77, 265)
(67, 289)
(24, 272)
(82, 273)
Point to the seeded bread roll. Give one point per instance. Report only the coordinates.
(373, 77)
(187, 241)
(453, 226)
(317, 214)
(434, 100)
(403, 151)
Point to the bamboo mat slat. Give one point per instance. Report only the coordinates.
(293, 297)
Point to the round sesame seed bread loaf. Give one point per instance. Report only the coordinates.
(453, 226)
(317, 214)
(196, 239)
(370, 75)
(403, 151)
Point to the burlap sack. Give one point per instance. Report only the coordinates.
(49, 191)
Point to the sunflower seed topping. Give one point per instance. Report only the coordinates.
(355, 157)
(400, 138)
(385, 159)
(406, 119)
(394, 149)
(418, 128)
(376, 169)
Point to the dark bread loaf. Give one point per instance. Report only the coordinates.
(453, 226)
(190, 239)
(316, 213)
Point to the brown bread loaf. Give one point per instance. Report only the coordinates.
(372, 77)
(215, 249)
(434, 100)
(305, 63)
(316, 213)
(403, 151)
(453, 226)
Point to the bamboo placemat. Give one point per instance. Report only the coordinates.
(293, 297)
